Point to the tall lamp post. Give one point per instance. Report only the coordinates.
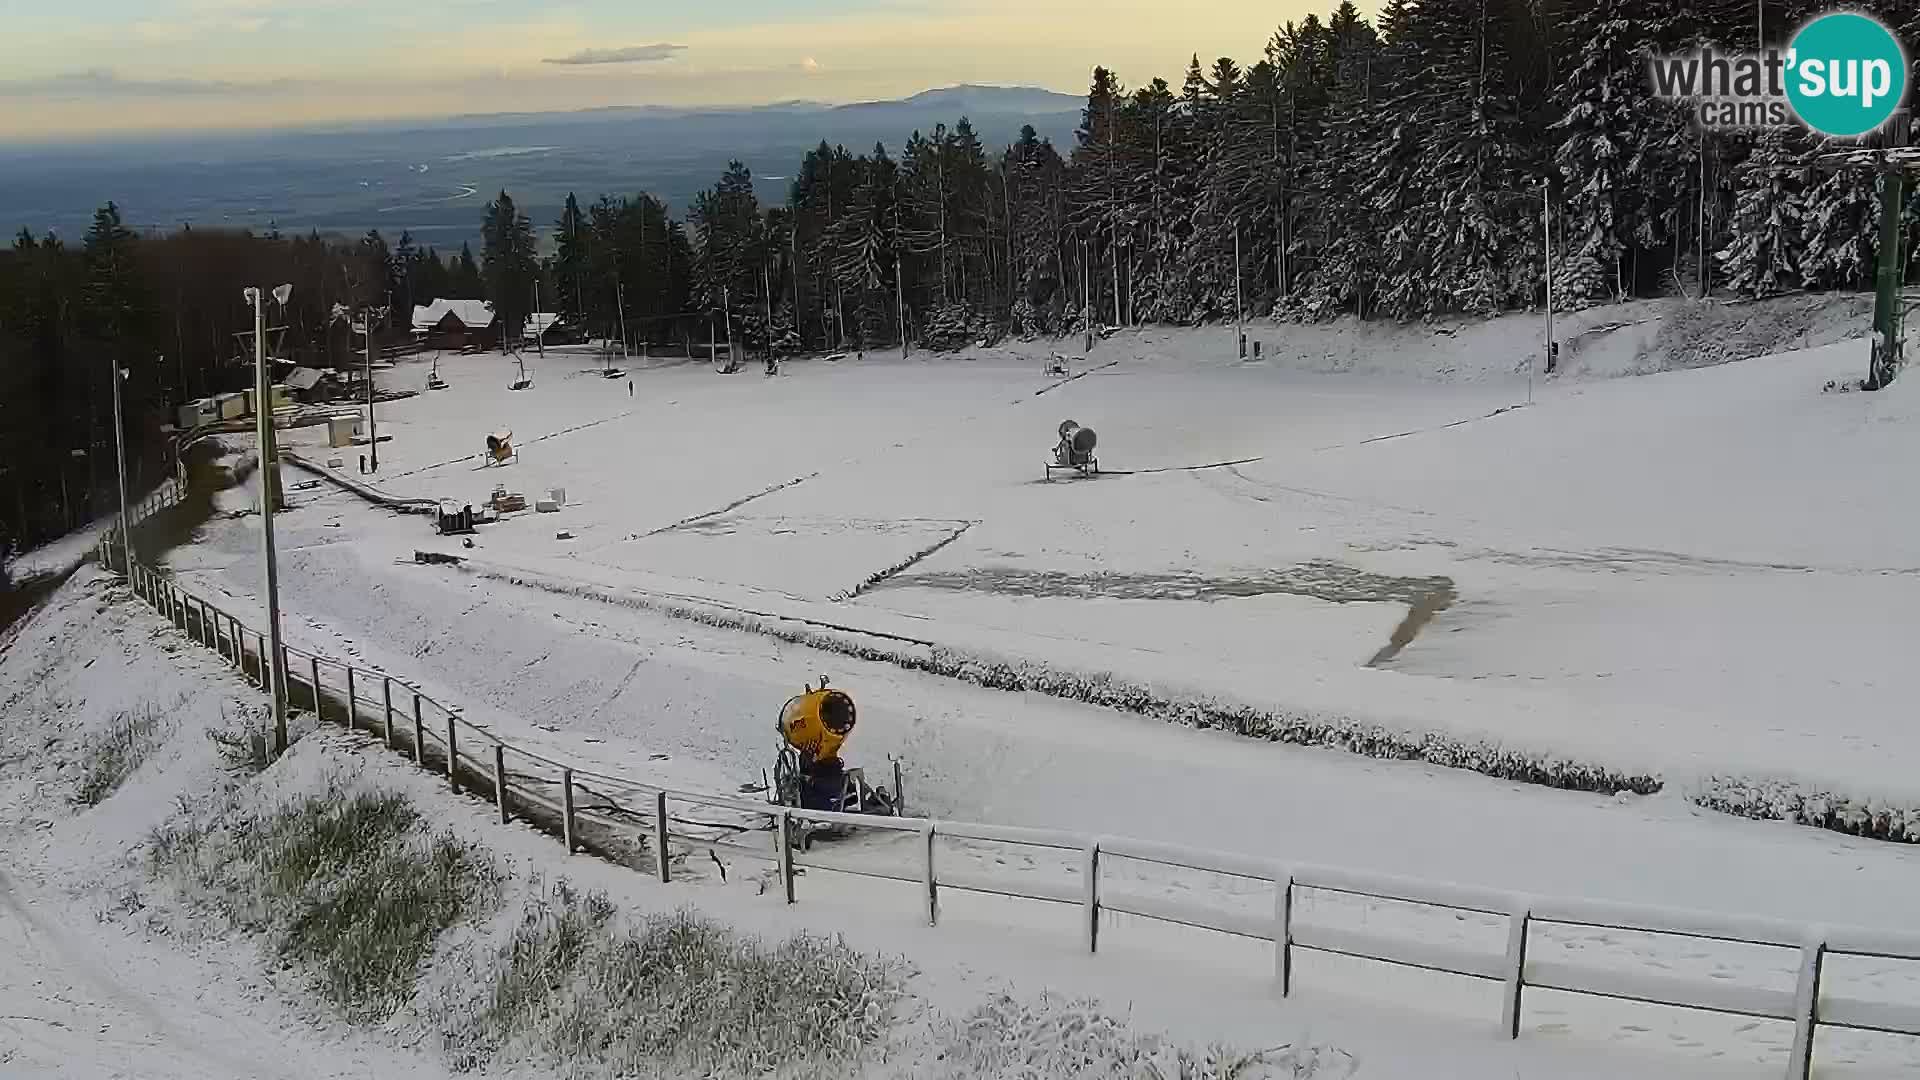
(373, 426)
(120, 456)
(273, 668)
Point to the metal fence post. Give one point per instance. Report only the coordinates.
(566, 809)
(927, 875)
(419, 733)
(1283, 934)
(453, 756)
(386, 703)
(1806, 1008)
(319, 714)
(784, 836)
(660, 835)
(1091, 893)
(500, 780)
(352, 708)
(1516, 970)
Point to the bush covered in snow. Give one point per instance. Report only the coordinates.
(1054, 1039)
(1790, 800)
(678, 994)
(114, 755)
(345, 883)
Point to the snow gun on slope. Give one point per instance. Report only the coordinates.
(809, 774)
(1074, 451)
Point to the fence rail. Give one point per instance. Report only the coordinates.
(589, 811)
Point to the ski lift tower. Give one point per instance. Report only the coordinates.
(1894, 162)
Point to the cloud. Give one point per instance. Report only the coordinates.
(103, 83)
(632, 54)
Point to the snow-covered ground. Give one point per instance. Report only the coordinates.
(1690, 573)
(104, 974)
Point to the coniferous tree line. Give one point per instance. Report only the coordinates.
(1386, 168)
(1398, 167)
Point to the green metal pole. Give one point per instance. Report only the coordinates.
(1886, 293)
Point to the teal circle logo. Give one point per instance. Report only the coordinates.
(1846, 74)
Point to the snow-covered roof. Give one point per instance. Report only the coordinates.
(303, 378)
(540, 321)
(474, 314)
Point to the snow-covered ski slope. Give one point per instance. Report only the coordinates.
(106, 973)
(1621, 576)
(1696, 572)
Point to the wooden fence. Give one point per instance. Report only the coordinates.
(639, 825)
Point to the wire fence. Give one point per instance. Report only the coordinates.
(649, 827)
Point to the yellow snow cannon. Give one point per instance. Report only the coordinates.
(808, 774)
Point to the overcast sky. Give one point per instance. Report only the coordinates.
(78, 67)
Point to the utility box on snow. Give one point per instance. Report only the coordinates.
(342, 430)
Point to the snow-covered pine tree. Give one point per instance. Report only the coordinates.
(1479, 234)
(1766, 248)
(1347, 259)
(1605, 100)
(1158, 169)
(1097, 205)
(1839, 224)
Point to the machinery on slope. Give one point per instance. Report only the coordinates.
(808, 774)
(1074, 452)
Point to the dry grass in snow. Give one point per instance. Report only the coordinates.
(345, 883)
(578, 987)
(114, 755)
(1055, 1039)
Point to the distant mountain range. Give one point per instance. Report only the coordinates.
(434, 177)
(964, 99)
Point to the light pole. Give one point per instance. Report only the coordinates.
(120, 456)
(373, 426)
(273, 668)
(1546, 232)
(1239, 327)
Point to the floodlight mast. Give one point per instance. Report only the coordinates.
(273, 668)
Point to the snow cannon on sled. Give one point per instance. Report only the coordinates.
(808, 774)
(1074, 451)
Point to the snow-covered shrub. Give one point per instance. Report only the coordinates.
(1056, 1039)
(345, 883)
(673, 994)
(242, 746)
(114, 755)
(949, 327)
(1790, 800)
